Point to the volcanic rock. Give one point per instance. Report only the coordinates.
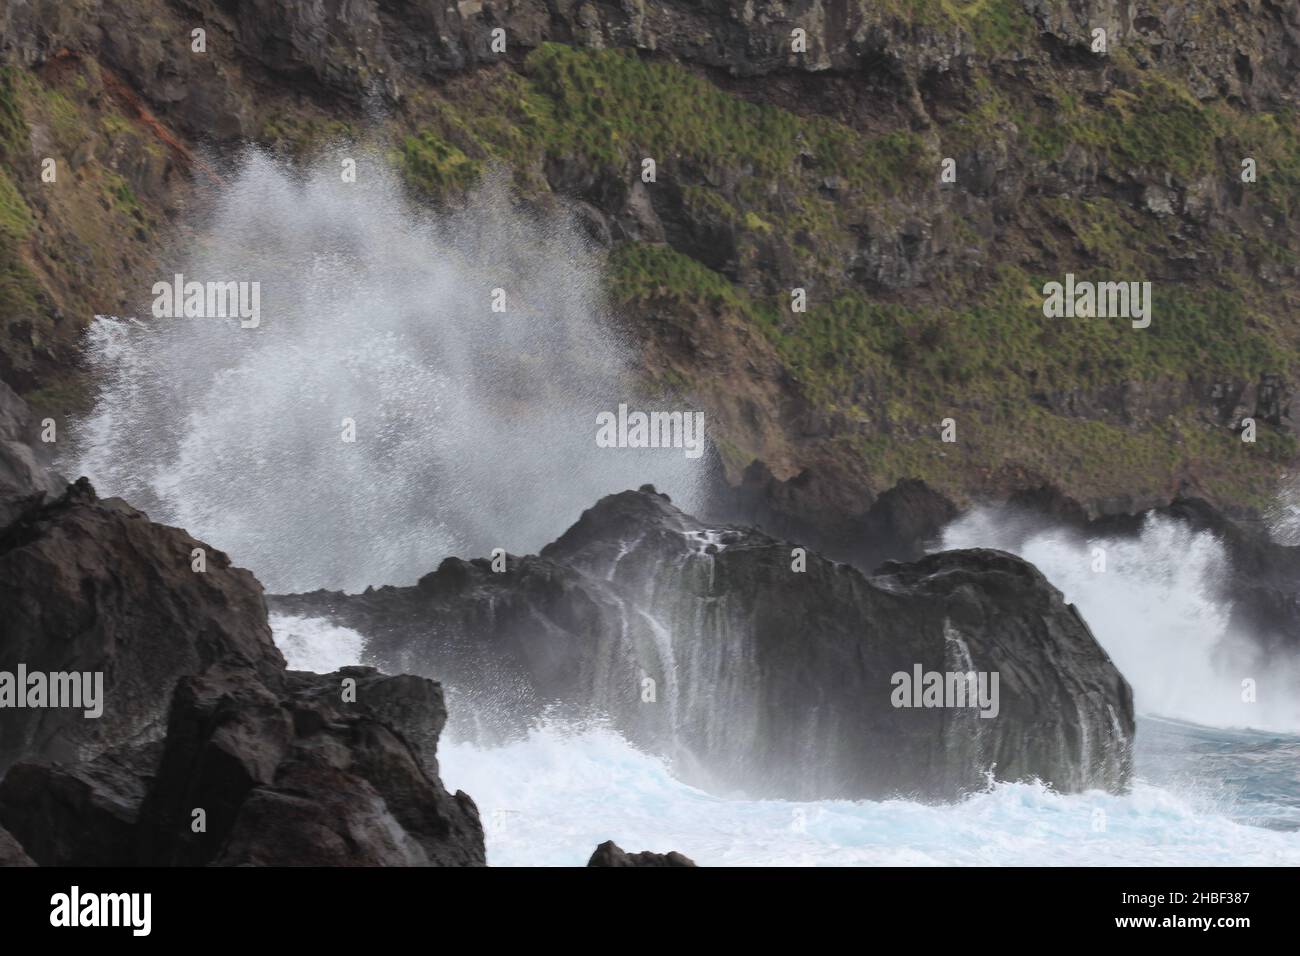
(94, 586)
(11, 854)
(707, 644)
(610, 854)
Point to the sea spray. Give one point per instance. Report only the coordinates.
(382, 415)
(1154, 602)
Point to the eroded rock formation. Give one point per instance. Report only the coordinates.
(705, 644)
(207, 749)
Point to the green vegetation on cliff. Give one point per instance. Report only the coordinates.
(976, 346)
(924, 297)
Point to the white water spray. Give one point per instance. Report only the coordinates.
(1156, 610)
(474, 429)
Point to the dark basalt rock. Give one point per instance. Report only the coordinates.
(306, 777)
(79, 815)
(764, 678)
(610, 854)
(198, 710)
(818, 508)
(296, 777)
(93, 585)
(11, 854)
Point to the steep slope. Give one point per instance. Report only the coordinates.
(775, 170)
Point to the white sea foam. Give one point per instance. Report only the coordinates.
(550, 799)
(314, 644)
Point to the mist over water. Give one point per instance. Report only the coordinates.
(1158, 612)
(474, 429)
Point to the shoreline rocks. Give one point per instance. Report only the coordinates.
(610, 854)
(208, 750)
(702, 643)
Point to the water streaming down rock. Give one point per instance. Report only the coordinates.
(372, 312)
(702, 644)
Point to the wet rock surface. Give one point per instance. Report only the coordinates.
(702, 643)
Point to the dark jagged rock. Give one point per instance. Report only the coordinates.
(299, 777)
(702, 643)
(307, 777)
(79, 815)
(817, 508)
(198, 713)
(93, 585)
(11, 853)
(610, 854)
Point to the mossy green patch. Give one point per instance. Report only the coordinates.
(14, 134)
(993, 364)
(15, 217)
(299, 136)
(997, 26)
(611, 109)
(435, 166)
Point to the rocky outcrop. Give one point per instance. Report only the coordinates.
(817, 507)
(80, 814)
(324, 774)
(610, 854)
(199, 746)
(94, 586)
(754, 665)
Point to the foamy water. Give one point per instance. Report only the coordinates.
(549, 799)
(312, 644)
(1284, 517)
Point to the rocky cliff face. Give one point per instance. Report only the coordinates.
(199, 747)
(785, 160)
(757, 667)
